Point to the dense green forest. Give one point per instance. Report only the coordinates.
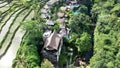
(106, 34)
(94, 29)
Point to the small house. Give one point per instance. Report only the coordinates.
(50, 22)
(44, 11)
(63, 32)
(46, 34)
(60, 14)
(46, 7)
(43, 16)
(52, 47)
(61, 20)
(52, 42)
(63, 8)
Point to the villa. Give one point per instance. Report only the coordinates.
(52, 47)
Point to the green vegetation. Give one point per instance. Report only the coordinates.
(94, 26)
(106, 35)
(81, 36)
(28, 52)
(6, 35)
(47, 64)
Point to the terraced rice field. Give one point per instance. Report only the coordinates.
(2, 4)
(11, 33)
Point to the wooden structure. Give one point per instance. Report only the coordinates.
(52, 47)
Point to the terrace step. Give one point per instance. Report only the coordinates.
(11, 53)
(6, 18)
(6, 26)
(2, 4)
(12, 27)
(4, 8)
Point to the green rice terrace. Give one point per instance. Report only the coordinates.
(59, 33)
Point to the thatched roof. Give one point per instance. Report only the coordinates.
(53, 42)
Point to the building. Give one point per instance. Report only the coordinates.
(63, 8)
(46, 7)
(61, 20)
(52, 47)
(50, 22)
(52, 43)
(46, 34)
(63, 32)
(44, 11)
(60, 14)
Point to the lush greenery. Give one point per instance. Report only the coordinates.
(95, 27)
(28, 54)
(106, 34)
(46, 64)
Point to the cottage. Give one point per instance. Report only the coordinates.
(61, 20)
(50, 22)
(46, 34)
(74, 2)
(53, 42)
(43, 16)
(48, 16)
(51, 2)
(62, 25)
(66, 8)
(63, 32)
(46, 7)
(44, 11)
(52, 47)
(60, 14)
(63, 8)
